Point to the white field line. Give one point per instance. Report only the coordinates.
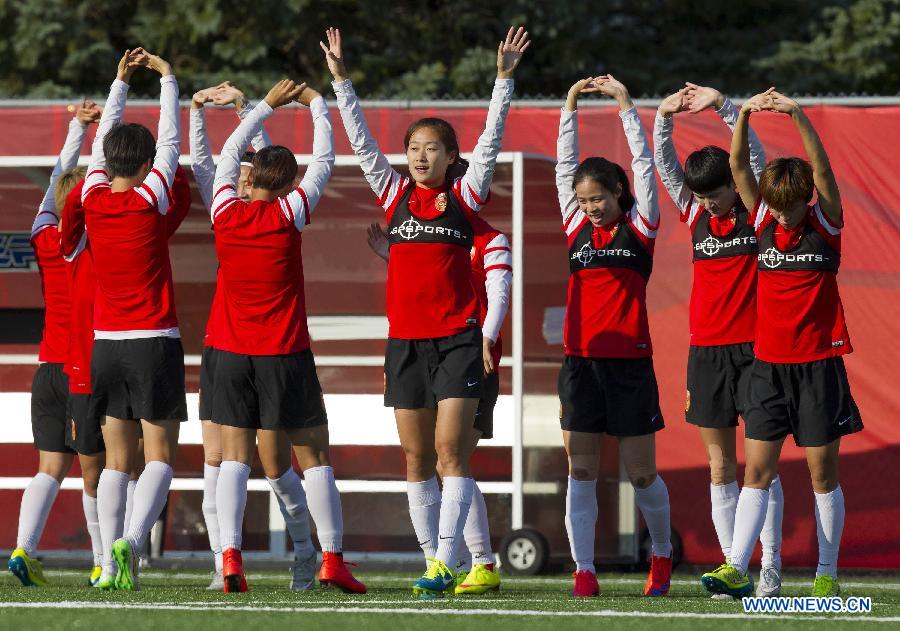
(603, 613)
(509, 580)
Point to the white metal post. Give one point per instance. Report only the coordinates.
(518, 369)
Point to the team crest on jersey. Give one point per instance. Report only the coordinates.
(687, 402)
(440, 202)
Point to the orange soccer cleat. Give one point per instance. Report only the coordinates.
(660, 576)
(233, 571)
(334, 572)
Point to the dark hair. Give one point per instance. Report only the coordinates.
(247, 157)
(274, 167)
(707, 169)
(786, 181)
(127, 147)
(447, 136)
(607, 174)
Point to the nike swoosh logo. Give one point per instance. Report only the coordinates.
(472, 383)
(845, 420)
(443, 538)
(653, 420)
(422, 543)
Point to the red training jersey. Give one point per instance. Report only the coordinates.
(800, 317)
(55, 289)
(723, 294)
(430, 293)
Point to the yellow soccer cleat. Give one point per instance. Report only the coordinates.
(94, 578)
(26, 569)
(727, 579)
(825, 586)
(435, 582)
(482, 578)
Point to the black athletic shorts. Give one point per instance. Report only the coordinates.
(139, 378)
(273, 392)
(615, 396)
(718, 379)
(207, 370)
(484, 416)
(419, 373)
(812, 401)
(83, 433)
(49, 392)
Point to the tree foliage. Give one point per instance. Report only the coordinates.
(429, 49)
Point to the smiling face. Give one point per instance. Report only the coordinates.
(598, 203)
(428, 157)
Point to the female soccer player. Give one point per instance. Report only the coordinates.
(274, 447)
(798, 383)
(265, 374)
(607, 384)
(723, 309)
(433, 362)
(492, 278)
(50, 387)
(137, 367)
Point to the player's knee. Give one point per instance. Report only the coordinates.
(641, 480)
(419, 465)
(449, 458)
(823, 481)
(758, 477)
(722, 471)
(581, 473)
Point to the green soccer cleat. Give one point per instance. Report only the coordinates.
(482, 578)
(94, 578)
(26, 569)
(825, 586)
(435, 582)
(106, 583)
(727, 579)
(127, 564)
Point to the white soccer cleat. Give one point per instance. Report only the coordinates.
(769, 582)
(217, 584)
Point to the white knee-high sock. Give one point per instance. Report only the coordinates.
(477, 531)
(129, 504)
(581, 521)
(324, 503)
(36, 503)
(770, 537)
(425, 511)
(654, 505)
(112, 490)
(89, 504)
(830, 515)
(231, 500)
(456, 499)
(292, 502)
(150, 494)
(723, 499)
(748, 523)
(210, 517)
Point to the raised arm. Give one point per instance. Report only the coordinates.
(477, 180)
(87, 112)
(227, 94)
(739, 159)
(703, 97)
(823, 177)
(229, 167)
(304, 199)
(202, 164)
(645, 193)
(383, 179)
(157, 186)
(112, 115)
(567, 154)
(664, 155)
